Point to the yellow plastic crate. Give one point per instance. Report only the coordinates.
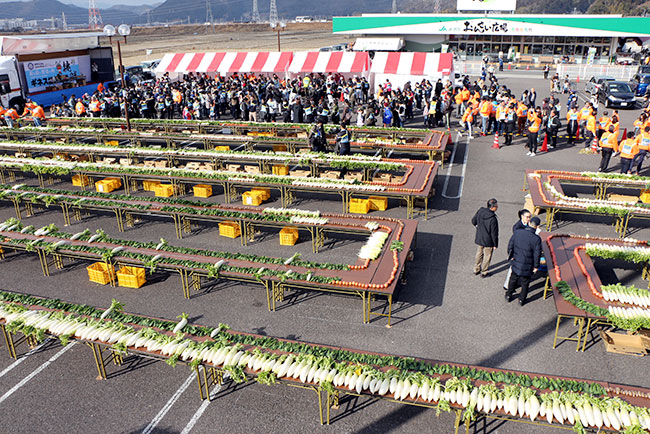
(150, 185)
(288, 236)
(164, 190)
(252, 198)
(279, 148)
(202, 190)
(378, 203)
(265, 193)
(645, 196)
(280, 170)
(111, 143)
(101, 273)
(105, 186)
(359, 206)
(117, 182)
(229, 229)
(80, 180)
(131, 277)
(222, 148)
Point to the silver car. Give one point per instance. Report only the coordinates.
(596, 83)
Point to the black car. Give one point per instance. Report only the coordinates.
(616, 94)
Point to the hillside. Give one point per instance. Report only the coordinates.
(45, 9)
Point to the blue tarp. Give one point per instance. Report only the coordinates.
(46, 99)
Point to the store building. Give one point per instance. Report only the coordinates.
(520, 37)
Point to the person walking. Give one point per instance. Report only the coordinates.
(608, 145)
(643, 142)
(317, 138)
(552, 127)
(525, 251)
(535, 121)
(343, 140)
(487, 236)
(628, 149)
(522, 223)
(572, 119)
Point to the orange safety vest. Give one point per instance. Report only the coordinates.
(573, 115)
(38, 112)
(465, 94)
(629, 148)
(11, 113)
(591, 124)
(486, 108)
(609, 140)
(643, 141)
(535, 122)
(604, 123)
(94, 106)
(80, 108)
(585, 113)
(100, 88)
(468, 116)
(522, 111)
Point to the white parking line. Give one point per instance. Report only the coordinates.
(35, 372)
(200, 411)
(156, 420)
(22, 358)
(451, 165)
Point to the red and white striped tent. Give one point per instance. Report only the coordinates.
(342, 62)
(225, 63)
(400, 67)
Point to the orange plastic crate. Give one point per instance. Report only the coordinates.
(202, 190)
(101, 273)
(229, 229)
(378, 203)
(288, 236)
(131, 277)
(164, 190)
(252, 198)
(280, 170)
(359, 206)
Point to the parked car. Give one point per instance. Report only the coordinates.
(639, 83)
(595, 83)
(616, 93)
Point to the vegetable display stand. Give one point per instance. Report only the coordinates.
(131, 277)
(359, 206)
(252, 198)
(202, 190)
(280, 170)
(288, 236)
(378, 203)
(164, 190)
(101, 272)
(150, 185)
(229, 229)
(80, 181)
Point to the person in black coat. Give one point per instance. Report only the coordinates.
(522, 223)
(487, 236)
(552, 127)
(525, 249)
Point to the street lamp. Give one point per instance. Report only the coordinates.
(124, 30)
(278, 27)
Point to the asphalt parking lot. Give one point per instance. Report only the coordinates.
(444, 312)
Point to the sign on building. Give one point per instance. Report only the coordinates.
(487, 5)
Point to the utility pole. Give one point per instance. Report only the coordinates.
(436, 6)
(94, 17)
(255, 17)
(64, 22)
(393, 9)
(273, 13)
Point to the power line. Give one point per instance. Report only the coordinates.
(255, 17)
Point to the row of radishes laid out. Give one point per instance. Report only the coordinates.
(565, 407)
(629, 312)
(629, 297)
(373, 247)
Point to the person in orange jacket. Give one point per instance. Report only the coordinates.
(29, 105)
(11, 115)
(608, 145)
(522, 114)
(38, 115)
(100, 87)
(485, 109)
(585, 112)
(80, 108)
(603, 123)
(643, 142)
(628, 148)
(95, 107)
(535, 121)
(590, 129)
(468, 118)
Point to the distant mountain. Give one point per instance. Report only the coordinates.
(134, 9)
(44, 9)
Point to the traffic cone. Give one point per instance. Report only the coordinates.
(578, 79)
(545, 144)
(594, 145)
(527, 67)
(495, 145)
